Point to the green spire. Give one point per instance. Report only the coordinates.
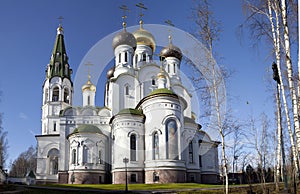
(59, 65)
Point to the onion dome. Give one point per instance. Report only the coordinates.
(110, 73)
(124, 38)
(170, 51)
(144, 37)
(89, 86)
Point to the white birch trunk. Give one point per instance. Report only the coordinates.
(276, 42)
(290, 72)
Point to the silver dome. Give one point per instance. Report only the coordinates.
(124, 38)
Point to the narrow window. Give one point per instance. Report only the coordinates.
(200, 161)
(153, 82)
(66, 95)
(155, 146)
(119, 57)
(191, 154)
(74, 156)
(100, 157)
(85, 154)
(66, 68)
(55, 94)
(54, 126)
(174, 66)
(133, 178)
(133, 147)
(144, 57)
(89, 100)
(136, 59)
(125, 57)
(171, 140)
(126, 90)
(168, 68)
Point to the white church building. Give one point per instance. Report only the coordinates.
(145, 130)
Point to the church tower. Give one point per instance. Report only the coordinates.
(58, 86)
(171, 57)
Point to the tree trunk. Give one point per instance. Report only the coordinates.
(290, 72)
(276, 42)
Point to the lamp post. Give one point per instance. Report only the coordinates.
(126, 160)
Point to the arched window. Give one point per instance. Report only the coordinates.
(74, 156)
(66, 67)
(53, 161)
(133, 147)
(174, 67)
(88, 100)
(85, 154)
(171, 140)
(55, 94)
(66, 95)
(126, 90)
(120, 57)
(155, 146)
(153, 81)
(125, 58)
(144, 57)
(191, 153)
(100, 157)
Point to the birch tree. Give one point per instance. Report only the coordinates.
(208, 31)
(271, 29)
(289, 66)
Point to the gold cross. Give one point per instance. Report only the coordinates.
(141, 6)
(125, 9)
(89, 73)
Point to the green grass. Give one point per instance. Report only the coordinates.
(174, 186)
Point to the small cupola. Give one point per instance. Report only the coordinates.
(88, 93)
(170, 51)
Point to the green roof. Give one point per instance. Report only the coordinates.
(162, 91)
(131, 111)
(87, 129)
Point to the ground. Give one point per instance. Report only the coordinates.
(135, 188)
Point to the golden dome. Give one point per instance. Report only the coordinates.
(89, 86)
(144, 37)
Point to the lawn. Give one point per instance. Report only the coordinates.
(175, 186)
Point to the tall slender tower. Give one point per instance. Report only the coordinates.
(57, 95)
(58, 86)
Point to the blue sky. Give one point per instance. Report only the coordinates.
(27, 38)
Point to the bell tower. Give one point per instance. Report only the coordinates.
(57, 87)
